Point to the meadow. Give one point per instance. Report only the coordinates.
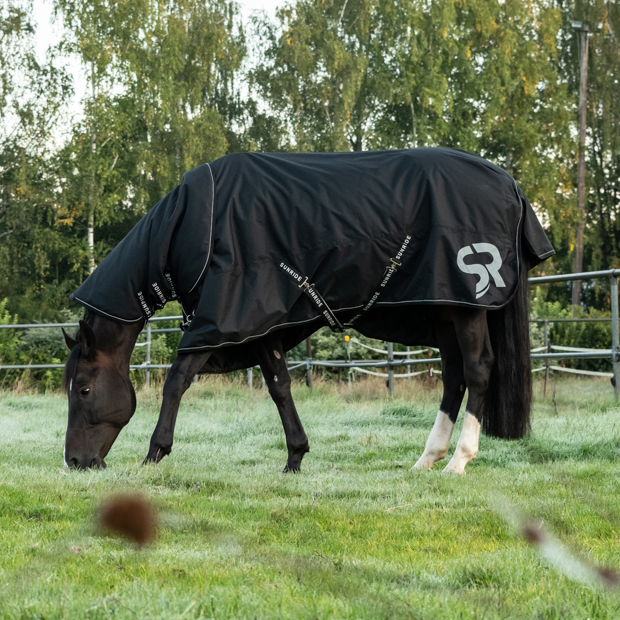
(356, 534)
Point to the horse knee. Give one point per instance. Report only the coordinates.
(279, 388)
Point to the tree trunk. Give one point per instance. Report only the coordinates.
(91, 195)
(581, 171)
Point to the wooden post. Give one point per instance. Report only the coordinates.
(581, 164)
(347, 340)
(250, 377)
(615, 335)
(308, 365)
(390, 381)
(408, 365)
(547, 347)
(147, 382)
(430, 372)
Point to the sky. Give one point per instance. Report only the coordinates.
(49, 33)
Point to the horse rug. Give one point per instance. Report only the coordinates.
(254, 242)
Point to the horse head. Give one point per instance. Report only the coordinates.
(101, 397)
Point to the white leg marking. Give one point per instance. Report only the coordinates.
(438, 442)
(467, 446)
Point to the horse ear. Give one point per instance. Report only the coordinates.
(88, 339)
(70, 342)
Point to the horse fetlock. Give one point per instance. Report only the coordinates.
(438, 442)
(459, 459)
(462, 455)
(295, 456)
(429, 458)
(157, 453)
(467, 446)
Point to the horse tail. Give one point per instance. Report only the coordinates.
(508, 402)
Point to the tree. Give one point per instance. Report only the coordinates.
(602, 229)
(478, 75)
(32, 96)
(162, 101)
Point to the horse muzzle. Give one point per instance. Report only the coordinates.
(87, 462)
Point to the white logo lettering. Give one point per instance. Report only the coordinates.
(482, 271)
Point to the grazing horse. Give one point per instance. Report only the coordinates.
(264, 249)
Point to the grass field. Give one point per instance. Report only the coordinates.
(355, 535)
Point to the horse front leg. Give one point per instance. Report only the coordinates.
(273, 364)
(183, 370)
(453, 379)
(473, 335)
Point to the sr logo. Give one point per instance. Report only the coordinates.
(482, 271)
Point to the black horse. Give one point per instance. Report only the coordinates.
(262, 250)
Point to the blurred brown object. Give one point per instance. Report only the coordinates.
(130, 516)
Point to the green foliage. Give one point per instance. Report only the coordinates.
(585, 335)
(8, 337)
(32, 94)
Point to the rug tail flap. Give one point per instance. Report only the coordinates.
(461, 267)
(537, 244)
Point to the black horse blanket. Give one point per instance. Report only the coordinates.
(240, 240)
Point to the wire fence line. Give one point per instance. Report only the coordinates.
(546, 353)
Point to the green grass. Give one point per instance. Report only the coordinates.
(354, 535)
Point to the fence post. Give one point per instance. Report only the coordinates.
(390, 385)
(408, 365)
(347, 340)
(615, 336)
(250, 377)
(546, 332)
(430, 372)
(147, 382)
(308, 365)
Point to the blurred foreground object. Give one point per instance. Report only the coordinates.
(130, 516)
(563, 560)
(551, 549)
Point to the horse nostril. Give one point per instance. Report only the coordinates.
(72, 463)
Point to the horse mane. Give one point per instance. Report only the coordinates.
(74, 355)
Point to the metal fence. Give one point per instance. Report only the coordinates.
(391, 362)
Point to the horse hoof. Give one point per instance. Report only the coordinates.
(453, 470)
(151, 460)
(423, 464)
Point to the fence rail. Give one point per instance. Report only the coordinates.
(391, 363)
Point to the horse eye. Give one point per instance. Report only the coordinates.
(84, 391)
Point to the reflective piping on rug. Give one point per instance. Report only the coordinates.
(210, 231)
(116, 318)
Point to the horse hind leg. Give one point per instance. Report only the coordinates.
(473, 337)
(273, 364)
(453, 378)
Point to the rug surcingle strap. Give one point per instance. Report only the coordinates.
(390, 270)
(317, 299)
(334, 324)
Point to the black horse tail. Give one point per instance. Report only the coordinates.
(508, 402)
